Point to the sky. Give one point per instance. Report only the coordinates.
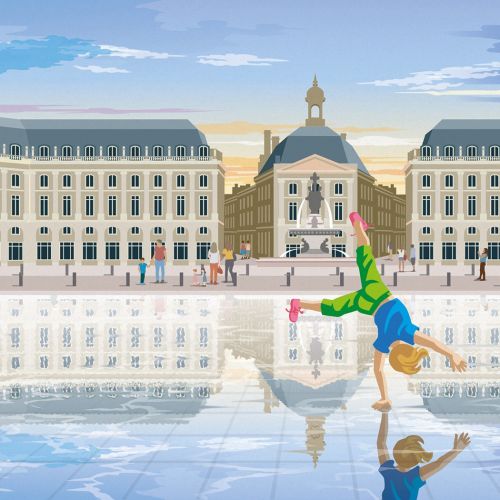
(390, 69)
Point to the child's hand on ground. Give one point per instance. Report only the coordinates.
(382, 405)
(458, 364)
(461, 442)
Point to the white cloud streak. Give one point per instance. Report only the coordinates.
(237, 60)
(126, 53)
(463, 93)
(101, 69)
(383, 140)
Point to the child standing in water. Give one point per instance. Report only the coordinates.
(396, 333)
(403, 476)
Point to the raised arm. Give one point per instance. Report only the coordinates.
(383, 454)
(457, 362)
(459, 444)
(383, 404)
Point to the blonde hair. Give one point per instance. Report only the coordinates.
(406, 358)
(213, 247)
(409, 452)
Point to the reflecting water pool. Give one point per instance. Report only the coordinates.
(222, 398)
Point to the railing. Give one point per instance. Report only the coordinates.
(112, 158)
(458, 158)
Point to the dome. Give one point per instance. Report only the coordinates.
(307, 141)
(315, 93)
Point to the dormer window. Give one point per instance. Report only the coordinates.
(495, 151)
(43, 151)
(157, 151)
(426, 152)
(15, 150)
(135, 151)
(66, 151)
(449, 151)
(180, 151)
(472, 151)
(112, 151)
(89, 151)
(203, 151)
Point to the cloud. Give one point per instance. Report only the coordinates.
(125, 52)
(8, 31)
(237, 60)
(442, 79)
(383, 140)
(462, 92)
(101, 69)
(63, 108)
(489, 31)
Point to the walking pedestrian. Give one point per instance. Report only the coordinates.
(214, 259)
(142, 270)
(243, 249)
(228, 255)
(413, 256)
(159, 258)
(247, 249)
(401, 259)
(483, 259)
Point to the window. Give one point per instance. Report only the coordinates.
(449, 230)
(43, 151)
(15, 150)
(112, 151)
(15, 251)
(494, 181)
(292, 211)
(66, 250)
(292, 188)
(449, 151)
(135, 151)
(44, 206)
(134, 250)
(426, 205)
(494, 205)
(203, 206)
(44, 250)
(89, 230)
(44, 230)
(494, 336)
(449, 181)
(66, 206)
(202, 249)
(157, 151)
(157, 181)
(180, 230)
(203, 230)
(471, 206)
(135, 230)
(494, 230)
(66, 181)
(180, 181)
(203, 151)
(449, 250)
(449, 205)
(158, 206)
(471, 181)
(180, 206)
(472, 151)
(292, 250)
(180, 250)
(426, 181)
(89, 206)
(338, 211)
(112, 205)
(89, 250)
(494, 151)
(135, 206)
(44, 181)
(157, 230)
(203, 181)
(112, 250)
(15, 180)
(15, 205)
(426, 230)
(472, 230)
(15, 230)
(135, 181)
(339, 250)
(338, 189)
(112, 230)
(426, 151)
(89, 181)
(89, 151)
(494, 250)
(66, 230)
(67, 151)
(426, 250)
(471, 250)
(180, 151)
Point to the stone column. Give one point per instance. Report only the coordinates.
(101, 223)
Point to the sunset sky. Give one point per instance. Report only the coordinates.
(390, 70)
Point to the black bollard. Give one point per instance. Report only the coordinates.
(337, 270)
(448, 279)
(288, 279)
(473, 269)
(127, 279)
(395, 279)
(66, 269)
(382, 270)
(292, 271)
(427, 269)
(234, 277)
(112, 270)
(341, 280)
(247, 269)
(74, 279)
(181, 279)
(21, 279)
(21, 268)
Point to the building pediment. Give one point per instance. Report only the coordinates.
(315, 163)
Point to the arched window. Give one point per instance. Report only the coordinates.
(449, 230)
(15, 150)
(472, 181)
(292, 188)
(426, 181)
(494, 181)
(157, 230)
(203, 151)
(203, 181)
(112, 151)
(471, 151)
(112, 181)
(135, 230)
(135, 181)
(157, 151)
(135, 151)
(89, 230)
(180, 230)
(66, 181)
(15, 181)
(43, 151)
(426, 230)
(89, 151)
(44, 181)
(157, 181)
(180, 181)
(494, 230)
(472, 230)
(15, 230)
(44, 230)
(112, 230)
(494, 151)
(180, 151)
(89, 181)
(66, 151)
(449, 181)
(66, 230)
(203, 230)
(426, 151)
(449, 151)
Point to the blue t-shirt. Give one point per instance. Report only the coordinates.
(142, 267)
(393, 323)
(400, 485)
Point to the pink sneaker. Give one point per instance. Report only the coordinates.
(354, 216)
(295, 309)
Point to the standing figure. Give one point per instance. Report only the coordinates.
(203, 273)
(160, 259)
(413, 256)
(247, 249)
(243, 249)
(214, 259)
(483, 259)
(401, 259)
(142, 270)
(228, 255)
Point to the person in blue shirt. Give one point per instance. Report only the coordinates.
(483, 259)
(142, 270)
(404, 476)
(397, 335)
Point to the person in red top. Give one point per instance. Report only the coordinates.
(160, 257)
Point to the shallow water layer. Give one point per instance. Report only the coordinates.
(223, 398)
